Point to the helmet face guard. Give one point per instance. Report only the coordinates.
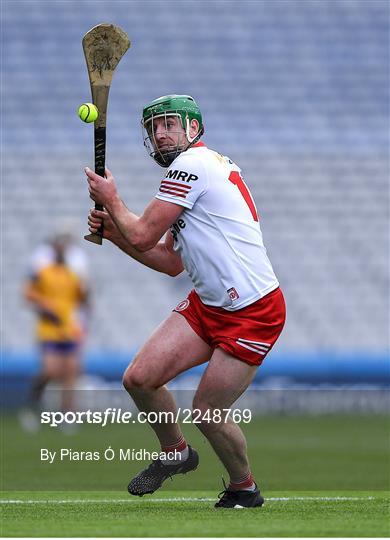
(166, 155)
(184, 109)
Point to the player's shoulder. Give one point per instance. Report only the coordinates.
(188, 166)
(41, 257)
(78, 261)
(199, 157)
(199, 151)
(190, 157)
(211, 157)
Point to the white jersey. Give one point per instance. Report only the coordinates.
(218, 234)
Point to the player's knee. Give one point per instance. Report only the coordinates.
(131, 379)
(52, 374)
(135, 378)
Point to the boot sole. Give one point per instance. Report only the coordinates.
(154, 491)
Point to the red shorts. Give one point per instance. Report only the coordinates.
(248, 333)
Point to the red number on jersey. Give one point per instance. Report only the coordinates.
(236, 179)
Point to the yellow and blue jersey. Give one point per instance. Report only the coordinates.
(62, 290)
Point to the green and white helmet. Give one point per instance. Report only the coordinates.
(183, 107)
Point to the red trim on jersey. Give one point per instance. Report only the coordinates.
(181, 187)
(198, 144)
(172, 193)
(173, 188)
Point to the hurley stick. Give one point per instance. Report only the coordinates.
(104, 45)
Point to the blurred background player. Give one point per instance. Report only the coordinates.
(57, 291)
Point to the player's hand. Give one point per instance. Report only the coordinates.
(49, 315)
(95, 220)
(101, 190)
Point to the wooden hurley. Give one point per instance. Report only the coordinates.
(104, 45)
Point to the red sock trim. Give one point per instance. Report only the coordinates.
(246, 482)
(179, 446)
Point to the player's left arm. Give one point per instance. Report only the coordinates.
(141, 232)
(83, 293)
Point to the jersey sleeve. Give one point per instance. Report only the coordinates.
(185, 181)
(42, 256)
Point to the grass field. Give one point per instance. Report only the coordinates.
(96, 514)
(321, 476)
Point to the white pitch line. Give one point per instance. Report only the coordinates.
(319, 499)
(173, 499)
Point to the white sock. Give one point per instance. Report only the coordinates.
(250, 488)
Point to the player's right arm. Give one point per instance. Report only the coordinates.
(41, 304)
(161, 257)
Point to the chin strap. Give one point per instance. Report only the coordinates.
(166, 158)
(195, 139)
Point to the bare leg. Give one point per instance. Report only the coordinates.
(70, 372)
(223, 382)
(173, 348)
(39, 384)
(51, 369)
